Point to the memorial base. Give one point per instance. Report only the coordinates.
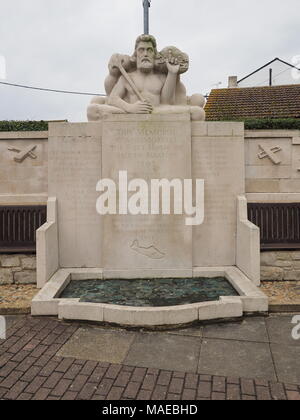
(76, 238)
(48, 303)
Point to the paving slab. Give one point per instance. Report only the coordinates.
(251, 329)
(165, 351)
(98, 345)
(188, 332)
(280, 330)
(240, 359)
(72, 378)
(287, 363)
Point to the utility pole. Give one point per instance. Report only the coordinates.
(147, 5)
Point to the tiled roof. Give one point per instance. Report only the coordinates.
(254, 102)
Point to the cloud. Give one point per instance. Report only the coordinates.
(67, 44)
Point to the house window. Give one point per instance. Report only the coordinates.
(279, 224)
(18, 225)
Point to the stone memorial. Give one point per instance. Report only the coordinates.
(148, 82)
(156, 147)
(147, 190)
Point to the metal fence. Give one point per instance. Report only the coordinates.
(18, 225)
(279, 224)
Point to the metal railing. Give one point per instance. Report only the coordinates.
(18, 225)
(279, 224)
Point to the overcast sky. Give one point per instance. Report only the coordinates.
(66, 44)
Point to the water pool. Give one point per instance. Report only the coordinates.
(149, 293)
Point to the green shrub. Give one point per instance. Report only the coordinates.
(23, 126)
(268, 123)
(250, 124)
(272, 124)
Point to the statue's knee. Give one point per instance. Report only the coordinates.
(197, 113)
(100, 100)
(197, 100)
(93, 112)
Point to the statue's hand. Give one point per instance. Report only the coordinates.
(172, 64)
(140, 108)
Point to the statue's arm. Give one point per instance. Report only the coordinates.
(169, 90)
(168, 93)
(114, 72)
(116, 99)
(180, 95)
(117, 95)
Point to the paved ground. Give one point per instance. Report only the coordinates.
(43, 358)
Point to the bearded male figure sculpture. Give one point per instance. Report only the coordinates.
(147, 83)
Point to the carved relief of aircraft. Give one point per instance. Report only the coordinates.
(150, 252)
(23, 154)
(270, 153)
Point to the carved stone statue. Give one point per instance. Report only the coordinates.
(148, 82)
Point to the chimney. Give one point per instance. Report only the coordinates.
(232, 82)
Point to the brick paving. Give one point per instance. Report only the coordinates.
(30, 369)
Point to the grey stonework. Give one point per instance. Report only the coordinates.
(280, 265)
(17, 269)
(275, 266)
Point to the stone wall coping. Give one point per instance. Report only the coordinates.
(273, 197)
(271, 133)
(23, 199)
(23, 135)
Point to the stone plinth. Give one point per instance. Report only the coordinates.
(218, 158)
(147, 147)
(74, 170)
(78, 242)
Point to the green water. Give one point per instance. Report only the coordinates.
(149, 293)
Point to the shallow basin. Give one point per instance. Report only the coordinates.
(93, 294)
(149, 293)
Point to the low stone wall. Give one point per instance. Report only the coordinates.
(28, 175)
(263, 174)
(275, 266)
(280, 265)
(17, 269)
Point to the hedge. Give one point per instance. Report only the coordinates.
(23, 126)
(250, 124)
(272, 124)
(268, 123)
